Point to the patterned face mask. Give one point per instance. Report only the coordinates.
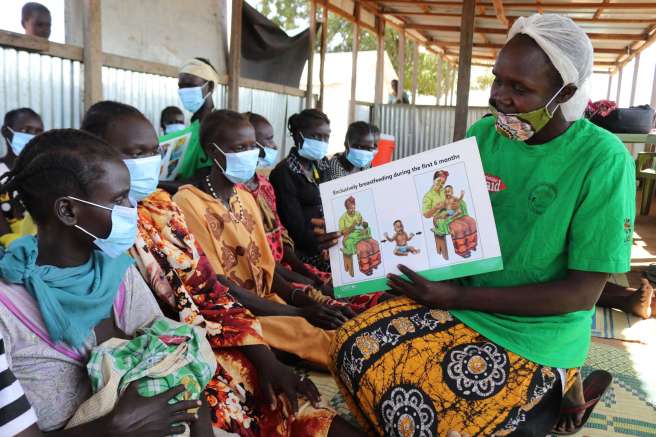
(522, 126)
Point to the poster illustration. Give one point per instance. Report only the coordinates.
(430, 212)
(173, 147)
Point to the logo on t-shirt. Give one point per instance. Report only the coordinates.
(494, 184)
(541, 197)
(628, 229)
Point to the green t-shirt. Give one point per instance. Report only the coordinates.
(565, 205)
(194, 157)
(430, 200)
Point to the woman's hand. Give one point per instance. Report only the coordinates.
(443, 295)
(326, 240)
(275, 378)
(140, 416)
(324, 316)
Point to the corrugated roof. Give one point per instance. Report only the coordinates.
(619, 29)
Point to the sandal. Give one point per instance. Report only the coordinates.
(594, 387)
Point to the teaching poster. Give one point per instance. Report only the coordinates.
(430, 212)
(173, 147)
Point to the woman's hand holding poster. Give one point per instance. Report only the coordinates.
(430, 212)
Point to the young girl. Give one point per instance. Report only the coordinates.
(185, 283)
(360, 149)
(73, 287)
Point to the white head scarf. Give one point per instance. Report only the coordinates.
(568, 48)
(200, 69)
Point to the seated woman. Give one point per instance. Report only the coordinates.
(19, 127)
(60, 296)
(493, 353)
(227, 224)
(296, 183)
(360, 150)
(179, 273)
(317, 283)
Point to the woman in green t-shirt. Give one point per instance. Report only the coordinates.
(493, 353)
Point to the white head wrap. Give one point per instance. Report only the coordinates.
(568, 48)
(200, 69)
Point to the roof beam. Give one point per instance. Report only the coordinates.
(531, 5)
(500, 13)
(600, 11)
(624, 51)
(387, 11)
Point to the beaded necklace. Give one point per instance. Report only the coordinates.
(235, 219)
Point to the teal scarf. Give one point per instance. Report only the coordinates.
(72, 300)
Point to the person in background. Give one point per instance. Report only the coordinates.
(360, 149)
(226, 221)
(36, 20)
(171, 120)
(394, 96)
(17, 417)
(296, 183)
(178, 272)
(19, 127)
(73, 287)
(196, 83)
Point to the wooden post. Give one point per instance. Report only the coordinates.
(92, 53)
(354, 62)
(415, 72)
(322, 59)
(310, 70)
(634, 83)
(234, 61)
(619, 87)
(401, 88)
(610, 83)
(438, 84)
(453, 85)
(380, 59)
(464, 68)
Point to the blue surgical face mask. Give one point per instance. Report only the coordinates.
(123, 233)
(173, 127)
(312, 149)
(19, 140)
(240, 167)
(360, 158)
(270, 157)
(192, 98)
(144, 176)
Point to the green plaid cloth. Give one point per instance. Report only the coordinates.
(166, 355)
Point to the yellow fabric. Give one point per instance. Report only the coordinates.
(240, 252)
(19, 228)
(200, 69)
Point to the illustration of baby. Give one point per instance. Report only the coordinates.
(401, 238)
(452, 202)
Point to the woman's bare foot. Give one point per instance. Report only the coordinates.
(641, 302)
(569, 422)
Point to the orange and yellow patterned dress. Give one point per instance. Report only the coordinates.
(179, 273)
(240, 251)
(409, 370)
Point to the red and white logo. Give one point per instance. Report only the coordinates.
(494, 184)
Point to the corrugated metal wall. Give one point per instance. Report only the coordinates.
(50, 86)
(420, 128)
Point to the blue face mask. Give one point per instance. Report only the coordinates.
(360, 158)
(123, 233)
(270, 157)
(240, 167)
(192, 98)
(312, 149)
(173, 127)
(19, 140)
(144, 176)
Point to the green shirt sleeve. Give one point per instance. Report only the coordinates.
(428, 202)
(601, 231)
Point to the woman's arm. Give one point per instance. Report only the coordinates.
(576, 292)
(289, 256)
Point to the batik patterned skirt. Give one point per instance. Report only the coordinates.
(408, 370)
